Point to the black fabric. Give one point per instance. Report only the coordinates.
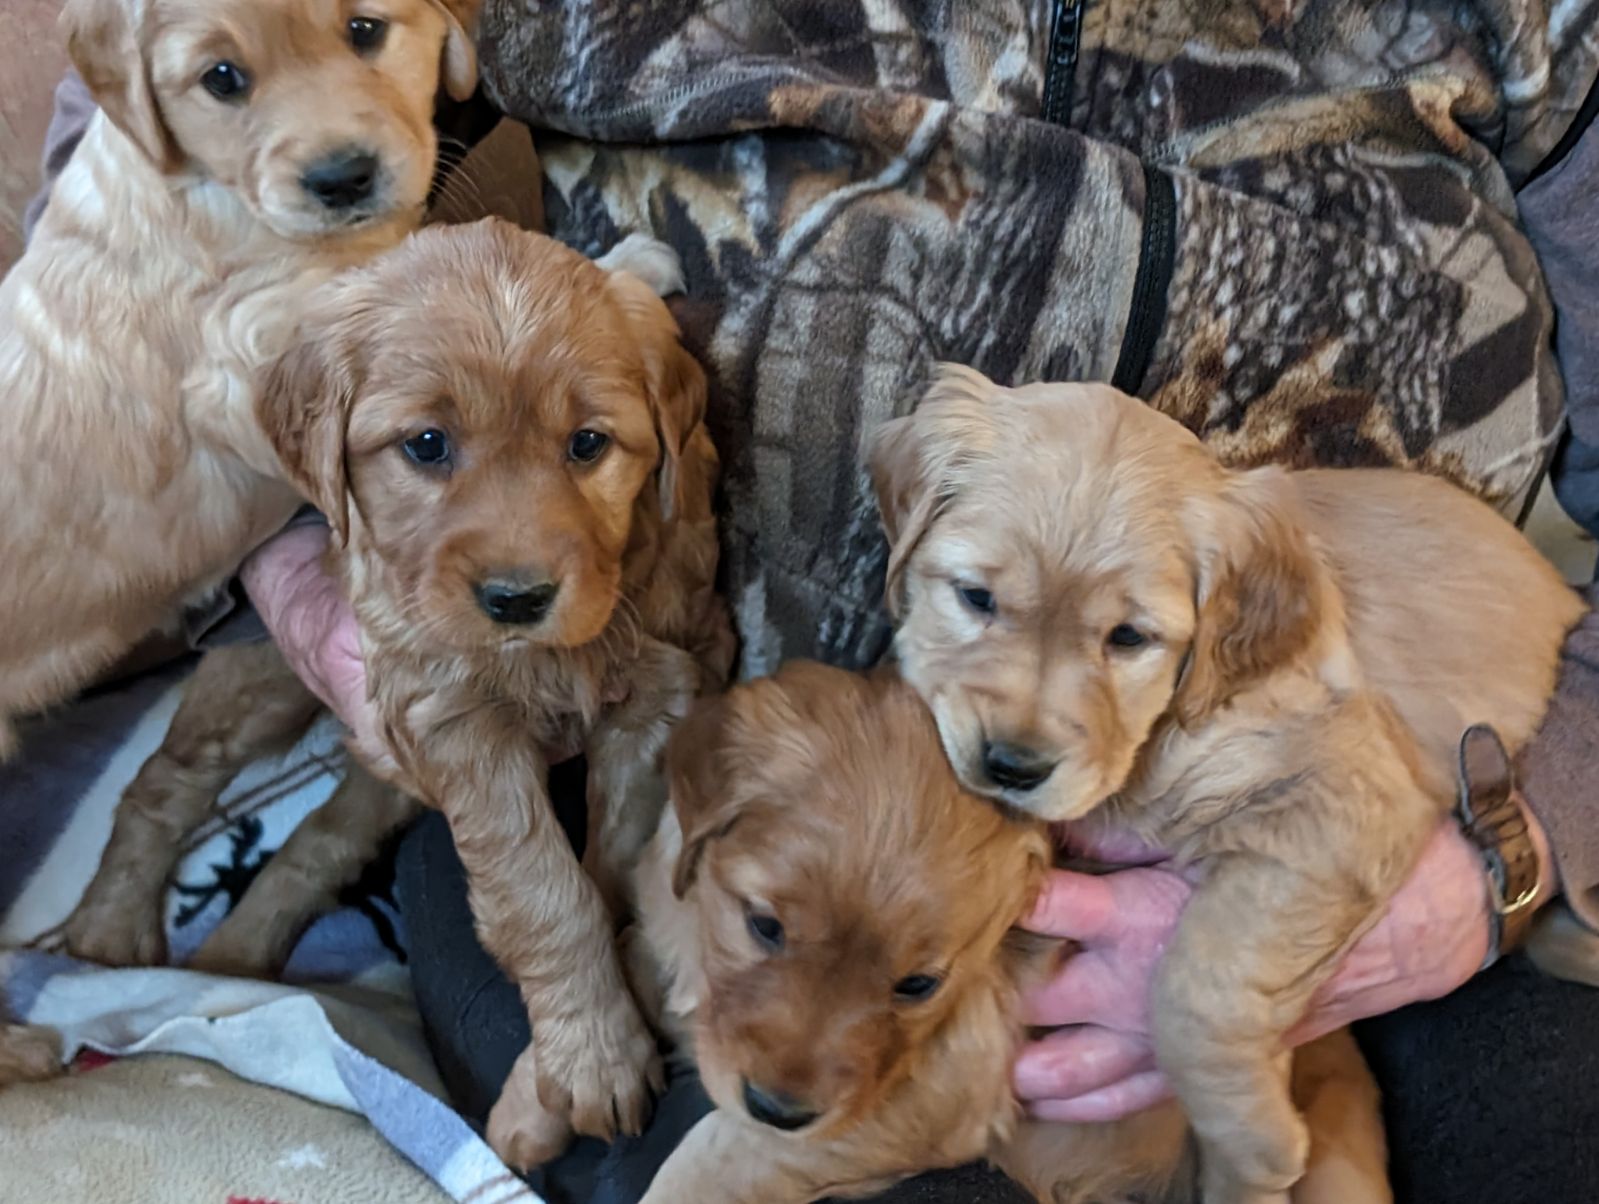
(1576, 481)
(1491, 1096)
(461, 125)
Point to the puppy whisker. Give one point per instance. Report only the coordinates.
(459, 193)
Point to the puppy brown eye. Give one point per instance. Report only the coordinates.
(431, 448)
(586, 446)
(766, 930)
(226, 81)
(367, 33)
(916, 987)
(1125, 635)
(977, 598)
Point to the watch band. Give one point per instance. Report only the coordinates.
(1490, 813)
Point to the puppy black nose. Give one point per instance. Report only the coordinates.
(1012, 767)
(342, 179)
(515, 602)
(776, 1109)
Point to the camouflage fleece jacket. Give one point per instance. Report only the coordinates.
(1291, 224)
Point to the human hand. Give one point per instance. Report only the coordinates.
(1432, 938)
(313, 625)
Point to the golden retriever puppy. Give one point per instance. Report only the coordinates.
(245, 150)
(508, 442)
(242, 703)
(1267, 672)
(826, 926)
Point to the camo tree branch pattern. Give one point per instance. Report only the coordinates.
(1289, 223)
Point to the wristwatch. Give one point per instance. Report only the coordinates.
(1491, 814)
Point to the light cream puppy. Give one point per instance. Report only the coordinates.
(245, 150)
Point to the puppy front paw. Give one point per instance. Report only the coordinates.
(601, 1072)
(115, 933)
(1256, 1166)
(28, 1054)
(650, 259)
(521, 1130)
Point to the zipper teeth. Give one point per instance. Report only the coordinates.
(1060, 72)
(1146, 316)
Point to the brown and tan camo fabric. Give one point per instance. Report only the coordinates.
(860, 188)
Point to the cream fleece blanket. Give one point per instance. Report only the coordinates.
(173, 1130)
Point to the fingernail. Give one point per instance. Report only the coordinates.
(1033, 1077)
(1025, 1078)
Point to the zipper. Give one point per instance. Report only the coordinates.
(1157, 258)
(1157, 248)
(1060, 69)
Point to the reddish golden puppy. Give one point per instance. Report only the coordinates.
(826, 926)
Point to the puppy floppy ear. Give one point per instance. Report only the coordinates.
(305, 400)
(106, 41)
(729, 743)
(700, 790)
(1260, 590)
(915, 462)
(679, 397)
(1028, 958)
(673, 379)
(458, 68)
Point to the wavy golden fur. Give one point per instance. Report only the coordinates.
(1267, 672)
(512, 343)
(502, 346)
